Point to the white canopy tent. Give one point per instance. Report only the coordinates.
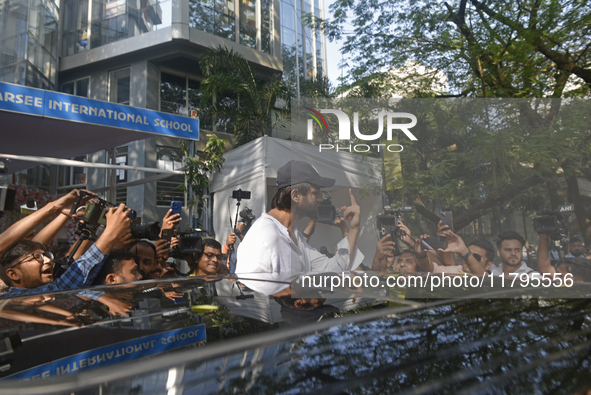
(253, 167)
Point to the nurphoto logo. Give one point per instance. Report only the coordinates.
(344, 130)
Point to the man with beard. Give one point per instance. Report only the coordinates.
(150, 262)
(276, 247)
(510, 250)
(576, 248)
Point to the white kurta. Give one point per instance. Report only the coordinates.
(267, 248)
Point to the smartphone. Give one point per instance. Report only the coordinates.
(434, 243)
(240, 194)
(176, 207)
(447, 218)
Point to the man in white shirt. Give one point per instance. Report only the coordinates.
(510, 250)
(275, 247)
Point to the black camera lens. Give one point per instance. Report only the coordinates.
(132, 215)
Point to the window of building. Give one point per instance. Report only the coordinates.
(121, 158)
(248, 23)
(79, 87)
(90, 24)
(119, 86)
(169, 189)
(214, 16)
(180, 94)
(266, 26)
(254, 19)
(75, 27)
(29, 43)
(38, 176)
(69, 177)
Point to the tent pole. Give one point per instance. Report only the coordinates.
(190, 196)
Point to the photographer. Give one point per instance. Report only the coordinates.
(575, 247)
(209, 262)
(150, 257)
(121, 266)
(475, 259)
(579, 267)
(28, 267)
(384, 259)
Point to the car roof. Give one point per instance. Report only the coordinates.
(364, 339)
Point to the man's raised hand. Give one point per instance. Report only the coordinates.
(65, 203)
(352, 213)
(455, 243)
(170, 220)
(118, 223)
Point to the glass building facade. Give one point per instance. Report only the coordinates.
(90, 24)
(29, 31)
(247, 22)
(29, 42)
(103, 50)
(302, 48)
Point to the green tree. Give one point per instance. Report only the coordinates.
(524, 48)
(510, 49)
(242, 98)
(199, 169)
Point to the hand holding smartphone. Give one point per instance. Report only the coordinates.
(176, 207)
(447, 219)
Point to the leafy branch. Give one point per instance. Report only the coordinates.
(199, 169)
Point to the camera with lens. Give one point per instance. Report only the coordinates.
(554, 223)
(326, 213)
(189, 242)
(388, 223)
(94, 217)
(248, 218)
(150, 231)
(94, 214)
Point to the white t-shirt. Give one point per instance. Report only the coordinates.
(267, 249)
(498, 271)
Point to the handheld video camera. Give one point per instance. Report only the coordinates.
(388, 223)
(248, 218)
(189, 242)
(94, 214)
(326, 213)
(554, 223)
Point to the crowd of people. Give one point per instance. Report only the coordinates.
(28, 264)
(273, 246)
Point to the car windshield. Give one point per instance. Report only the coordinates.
(215, 334)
